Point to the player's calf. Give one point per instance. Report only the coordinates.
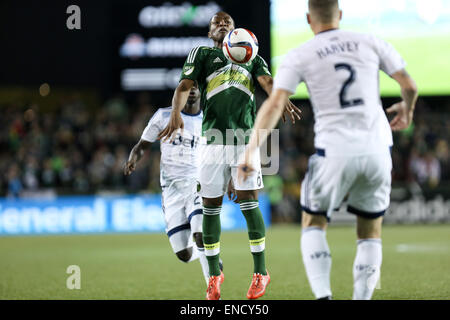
(367, 264)
(211, 233)
(198, 238)
(316, 254)
(366, 268)
(256, 233)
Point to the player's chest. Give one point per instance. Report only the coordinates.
(217, 63)
(192, 125)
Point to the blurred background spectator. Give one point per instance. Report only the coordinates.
(74, 150)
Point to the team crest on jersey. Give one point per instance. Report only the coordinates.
(188, 70)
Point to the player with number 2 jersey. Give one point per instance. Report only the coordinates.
(352, 138)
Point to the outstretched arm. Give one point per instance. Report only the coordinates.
(179, 100)
(267, 118)
(266, 82)
(404, 109)
(135, 155)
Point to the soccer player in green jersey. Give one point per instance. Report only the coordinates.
(229, 110)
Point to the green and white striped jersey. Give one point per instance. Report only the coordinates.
(227, 90)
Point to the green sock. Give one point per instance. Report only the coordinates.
(211, 238)
(256, 234)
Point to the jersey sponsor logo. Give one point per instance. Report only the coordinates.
(188, 70)
(217, 60)
(186, 142)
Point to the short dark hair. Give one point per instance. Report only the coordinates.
(324, 10)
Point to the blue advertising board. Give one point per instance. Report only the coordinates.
(96, 214)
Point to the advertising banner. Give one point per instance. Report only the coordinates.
(94, 214)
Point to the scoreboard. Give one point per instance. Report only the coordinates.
(151, 39)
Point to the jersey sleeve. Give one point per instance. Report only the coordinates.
(288, 74)
(390, 59)
(193, 64)
(153, 128)
(261, 68)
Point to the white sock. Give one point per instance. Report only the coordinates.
(195, 254)
(203, 263)
(317, 260)
(366, 268)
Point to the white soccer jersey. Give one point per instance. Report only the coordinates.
(179, 159)
(340, 69)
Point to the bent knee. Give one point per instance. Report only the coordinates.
(184, 255)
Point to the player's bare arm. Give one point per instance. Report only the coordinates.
(404, 109)
(135, 155)
(267, 118)
(266, 82)
(179, 100)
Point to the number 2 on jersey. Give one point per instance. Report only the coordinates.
(342, 94)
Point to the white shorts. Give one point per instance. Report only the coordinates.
(219, 164)
(182, 208)
(366, 180)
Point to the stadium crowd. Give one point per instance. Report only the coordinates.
(79, 151)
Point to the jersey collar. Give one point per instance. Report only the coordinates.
(327, 30)
(191, 114)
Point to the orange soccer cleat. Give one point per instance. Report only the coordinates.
(258, 286)
(213, 290)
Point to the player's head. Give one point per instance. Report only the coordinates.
(323, 12)
(194, 95)
(219, 25)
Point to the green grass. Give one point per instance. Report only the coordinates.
(142, 266)
(426, 58)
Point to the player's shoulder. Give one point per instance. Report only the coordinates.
(202, 49)
(199, 51)
(365, 37)
(163, 112)
(260, 59)
(259, 63)
(321, 39)
(165, 109)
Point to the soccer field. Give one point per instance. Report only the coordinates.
(416, 260)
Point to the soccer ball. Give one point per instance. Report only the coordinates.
(240, 46)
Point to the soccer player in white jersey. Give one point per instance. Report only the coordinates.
(181, 204)
(352, 138)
